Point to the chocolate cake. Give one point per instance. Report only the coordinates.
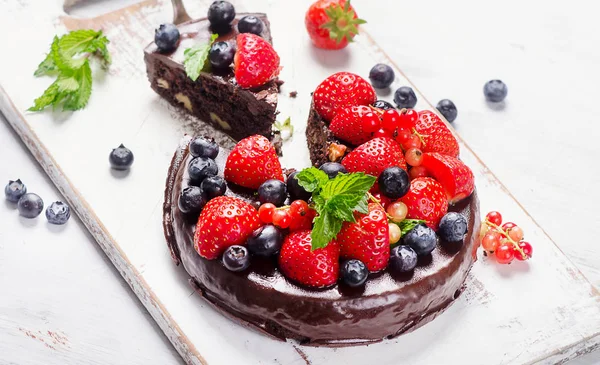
(215, 96)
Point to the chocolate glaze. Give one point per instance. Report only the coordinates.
(261, 297)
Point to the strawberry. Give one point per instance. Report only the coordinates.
(225, 221)
(348, 125)
(331, 24)
(252, 162)
(368, 239)
(426, 199)
(255, 61)
(315, 268)
(375, 156)
(340, 90)
(456, 177)
(436, 135)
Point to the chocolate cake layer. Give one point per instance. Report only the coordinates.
(215, 96)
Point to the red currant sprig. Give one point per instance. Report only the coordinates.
(506, 241)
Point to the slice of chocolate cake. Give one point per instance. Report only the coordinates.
(215, 97)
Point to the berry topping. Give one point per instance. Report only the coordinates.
(375, 156)
(204, 147)
(421, 239)
(381, 76)
(213, 186)
(494, 217)
(200, 168)
(272, 191)
(403, 259)
(447, 108)
(252, 162)
(265, 241)
(221, 55)
(417, 171)
(224, 222)
(354, 273)
(495, 91)
(282, 218)
(382, 104)
(397, 211)
(340, 90)
(354, 124)
(265, 212)
(236, 258)
(121, 158)
(294, 189)
(368, 239)
(250, 24)
(255, 61)
(220, 15)
(435, 134)
(332, 169)
(166, 38)
(505, 253)
(331, 24)
(412, 141)
(426, 200)
(395, 233)
(456, 177)
(314, 268)
(30, 205)
(413, 156)
(58, 213)
(453, 227)
(302, 220)
(405, 97)
(191, 200)
(393, 182)
(14, 190)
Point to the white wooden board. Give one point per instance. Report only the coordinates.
(542, 311)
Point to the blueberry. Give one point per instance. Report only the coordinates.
(30, 205)
(221, 54)
(403, 259)
(333, 168)
(422, 239)
(166, 37)
(250, 24)
(200, 168)
(265, 241)
(14, 190)
(236, 258)
(204, 147)
(405, 97)
(121, 158)
(393, 182)
(58, 213)
(495, 91)
(381, 76)
(382, 104)
(453, 227)
(354, 273)
(448, 109)
(213, 186)
(191, 200)
(272, 191)
(296, 191)
(220, 15)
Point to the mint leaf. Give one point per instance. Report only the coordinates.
(79, 100)
(312, 179)
(47, 98)
(325, 229)
(407, 225)
(352, 186)
(47, 66)
(286, 128)
(195, 58)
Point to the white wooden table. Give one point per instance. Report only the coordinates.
(543, 136)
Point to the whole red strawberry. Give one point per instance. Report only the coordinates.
(314, 268)
(252, 162)
(225, 221)
(456, 177)
(339, 90)
(331, 24)
(347, 124)
(368, 239)
(426, 199)
(375, 156)
(436, 135)
(255, 61)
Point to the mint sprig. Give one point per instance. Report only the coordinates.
(335, 201)
(195, 58)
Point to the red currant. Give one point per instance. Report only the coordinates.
(516, 233)
(305, 222)
(382, 133)
(527, 249)
(398, 211)
(383, 200)
(281, 218)
(265, 212)
(370, 122)
(403, 135)
(413, 142)
(417, 171)
(505, 253)
(494, 217)
(408, 118)
(491, 241)
(391, 120)
(508, 226)
(395, 233)
(298, 208)
(413, 157)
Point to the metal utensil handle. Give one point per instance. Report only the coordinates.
(180, 15)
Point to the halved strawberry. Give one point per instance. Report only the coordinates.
(368, 239)
(348, 126)
(225, 221)
(456, 177)
(340, 90)
(315, 268)
(436, 135)
(255, 61)
(252, 162)
(375, 156)
(426, 199)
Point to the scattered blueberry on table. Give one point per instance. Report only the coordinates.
(236, 258)
(250, 24)
(381, 76)
(58, 213)
(354, 273)
(14, 190)
(121, 158)
(30, 205)
(405, 97)
(495, 91)
(448, 109)
(166, 37)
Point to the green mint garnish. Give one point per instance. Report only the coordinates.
(406, 226)
(195, 58)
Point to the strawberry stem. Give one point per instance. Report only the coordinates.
(505, 234)
(343, 22)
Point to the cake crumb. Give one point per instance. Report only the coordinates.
(293, 94)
